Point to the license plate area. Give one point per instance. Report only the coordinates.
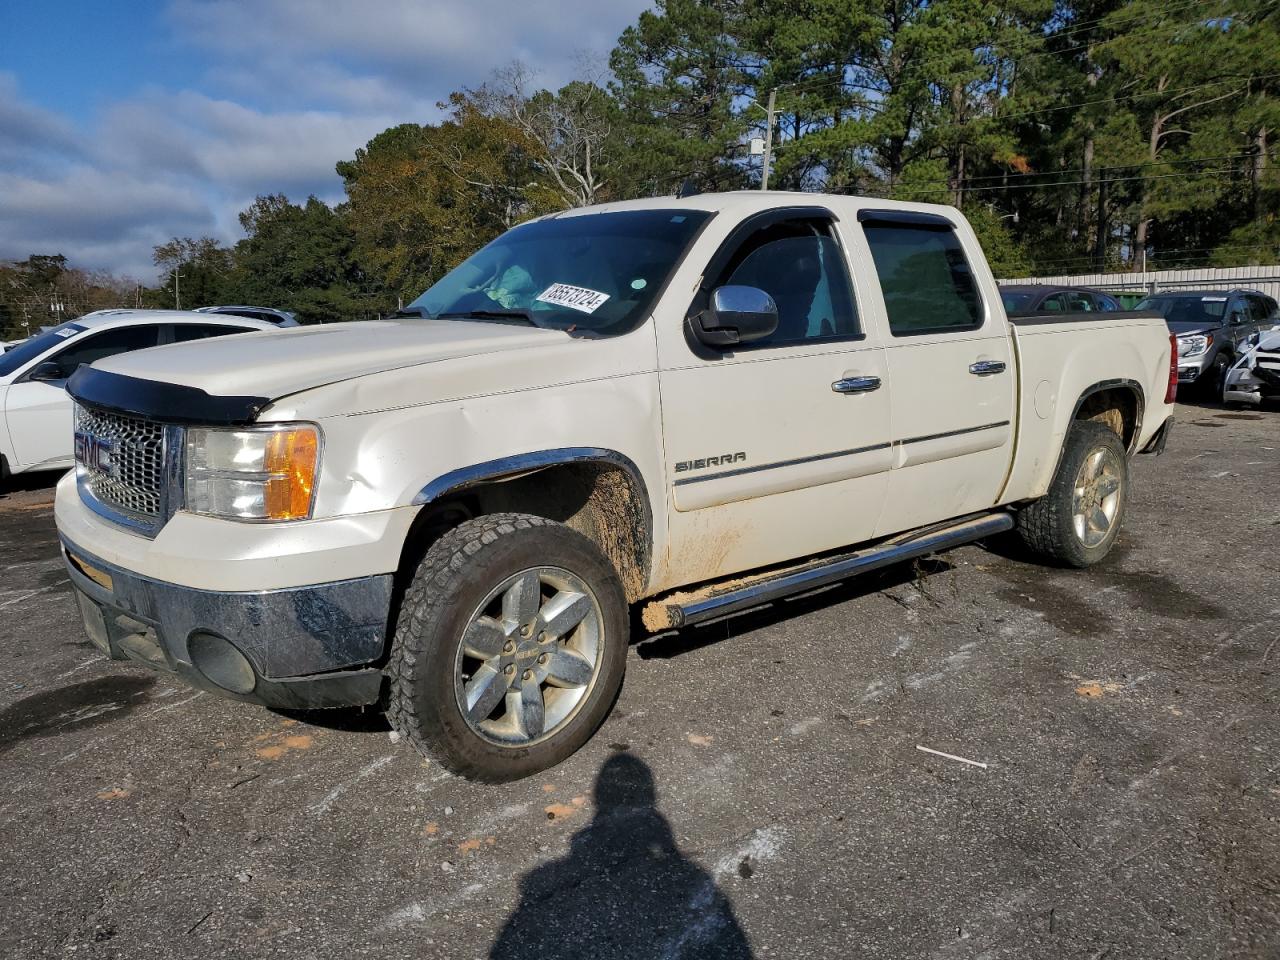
(98, 576)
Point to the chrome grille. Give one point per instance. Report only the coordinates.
(120, 460)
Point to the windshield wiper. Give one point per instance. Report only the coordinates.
(520, 315)
(409, 312)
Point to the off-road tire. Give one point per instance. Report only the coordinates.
(454, 576)
(1046, 526)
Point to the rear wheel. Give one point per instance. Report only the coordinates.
(1077, 521)
(509, 648)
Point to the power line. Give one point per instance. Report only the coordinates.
(1021, 55)
(1004, 178)
(1170, 8)
(908, 188)
(879, 108)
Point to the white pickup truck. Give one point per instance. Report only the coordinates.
(692, 406)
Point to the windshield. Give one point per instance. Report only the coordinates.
(20, 354)
(1202, 310)
(1013, 302)
(598, 272)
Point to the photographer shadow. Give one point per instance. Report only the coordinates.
(624, 890)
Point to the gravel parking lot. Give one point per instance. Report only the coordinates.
(757, 792)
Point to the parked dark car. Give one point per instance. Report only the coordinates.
(1032, 298)
(1213, 328)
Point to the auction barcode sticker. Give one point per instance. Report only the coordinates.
(575, 298)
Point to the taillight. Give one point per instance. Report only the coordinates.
(1171, 391)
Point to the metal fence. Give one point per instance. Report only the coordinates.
(1264, 279)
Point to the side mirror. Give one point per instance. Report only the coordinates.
(1236, 318)
(46, 372)
(736, 315)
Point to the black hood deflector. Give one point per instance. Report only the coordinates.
(160, 401)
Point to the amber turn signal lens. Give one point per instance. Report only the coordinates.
(290, 465)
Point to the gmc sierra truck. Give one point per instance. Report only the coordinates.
(687, 407)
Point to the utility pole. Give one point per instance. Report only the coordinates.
(177, 303)
(1100, 245)
(768, 140)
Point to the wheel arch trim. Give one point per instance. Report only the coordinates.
(1140, 401)
(505, 468)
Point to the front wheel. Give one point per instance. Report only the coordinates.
(509, 648)
(1215, 378)
(1077, 521)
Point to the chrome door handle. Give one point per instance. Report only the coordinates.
(856, 385)
(985, 368)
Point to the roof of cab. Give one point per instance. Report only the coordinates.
(102, 318)
(747, 201)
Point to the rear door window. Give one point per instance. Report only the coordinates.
(927, 282)
(184, 332)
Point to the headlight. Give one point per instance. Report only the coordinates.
(253, 473)
(1195, 345)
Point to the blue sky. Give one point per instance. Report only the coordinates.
(123, 122)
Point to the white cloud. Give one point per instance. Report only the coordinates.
(233, 146)
(438, 45)
(96, 218)
(279, 91)
(28, 134)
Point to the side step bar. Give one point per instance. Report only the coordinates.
(684, 608)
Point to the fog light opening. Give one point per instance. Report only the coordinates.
(218, 659)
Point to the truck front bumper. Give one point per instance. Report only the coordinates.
(299, 647)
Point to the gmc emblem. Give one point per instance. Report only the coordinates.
(95, 453)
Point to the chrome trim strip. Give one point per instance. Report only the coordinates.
(839, 568)
(781, 463)
(829, 456)
(143, 526)
(954, 433)
(173, 483)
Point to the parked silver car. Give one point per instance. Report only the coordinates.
(281, 318)
(1213, 328)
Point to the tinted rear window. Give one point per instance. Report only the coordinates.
(926, 280)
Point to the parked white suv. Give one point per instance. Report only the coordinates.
(700, 405)
(35, 411)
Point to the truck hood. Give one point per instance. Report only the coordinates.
(277, 363)
(1184, 328)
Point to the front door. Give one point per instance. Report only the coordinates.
(951, 364)
(779, 448)
(38, 412)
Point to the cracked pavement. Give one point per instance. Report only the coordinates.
(757, 792)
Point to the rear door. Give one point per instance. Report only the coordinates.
(39, 412)
(951, 365)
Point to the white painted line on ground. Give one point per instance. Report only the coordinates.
(172, 706)
(325, 805)
(81, 666)
(28, 596)
(952, 756)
